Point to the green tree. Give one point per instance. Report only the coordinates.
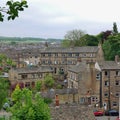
(12, 9)
(103, 36)
(73, 38)
(28, 106)
(111, 47)
(38, 85)
(90, 40)
(49, 81)
(4, 88)
(115, 29)
(5, 63)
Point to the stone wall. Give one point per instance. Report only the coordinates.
(72, 112)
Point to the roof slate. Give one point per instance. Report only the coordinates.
(88, 49)
(110, 65)
(79, 67)
(33, 70)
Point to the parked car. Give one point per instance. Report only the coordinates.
(98, 113)
(112, 113)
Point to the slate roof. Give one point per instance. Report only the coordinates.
(51, 94)
(88, 49)
(79, 67)
(109, 65)
(33, 70)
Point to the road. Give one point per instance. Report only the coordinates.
(106, 118)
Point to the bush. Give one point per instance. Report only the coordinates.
(48, 100)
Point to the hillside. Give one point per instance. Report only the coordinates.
(27, 40)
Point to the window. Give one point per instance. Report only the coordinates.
(77, 54)
(106, 73)
(69, 62)
(33, 75)
(63, 62)
(114, 103)
(39, 75)
(91, 55)
(56, 54)
(106, 83)
(43, 61)
(49, 54)
(70, 54)
(55, 62)
(49, 62)
(24, 76)
(63, 55)
(117, 73)
(117, 82)
(27, 84)
(117, 94)
(35, 62)
(94, 99)
(33, 84)
(98, 76)
(43, 55)
(82, 100)
(84, 55)
(106, 94)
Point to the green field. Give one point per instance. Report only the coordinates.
(26, 40)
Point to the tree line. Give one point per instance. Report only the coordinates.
(109, 39)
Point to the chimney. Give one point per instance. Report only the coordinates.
(116, 58)
(56, 100)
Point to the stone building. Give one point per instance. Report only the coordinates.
(57, 58)
(82, 76)
(110, 83)
(27, 76)
(62, 61)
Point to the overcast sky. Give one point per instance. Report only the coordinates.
(53, 18)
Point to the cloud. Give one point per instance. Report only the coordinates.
(53, 18)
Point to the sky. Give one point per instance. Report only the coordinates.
(54, 18)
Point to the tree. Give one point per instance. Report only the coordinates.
(12, 9)
(5, 63)
(73, 38)
(4, 86)
(38, 85)
(49, 81)
(91, 40)
(115, 29)
(111, 47)
(103, 36)
(28, 106)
